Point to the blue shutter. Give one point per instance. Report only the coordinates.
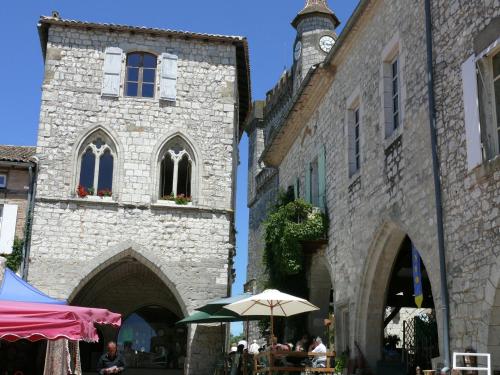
(168, 79)
(307, 189)
(322, 178)
(112, 70)
(296, 189)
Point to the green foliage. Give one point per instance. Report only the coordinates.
(235, 339)
(287, 226)
(16, 257)
(340, 363)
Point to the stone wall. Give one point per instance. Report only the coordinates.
(471, 198)
(395, 183)
(189, 248)
(392, 196)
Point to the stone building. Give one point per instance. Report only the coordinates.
(17, 170)
(351, 135)
(137, 148)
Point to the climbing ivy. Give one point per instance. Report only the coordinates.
(289, 224)
(15, 258)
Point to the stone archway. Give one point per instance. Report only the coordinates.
(374, 287)
(320, 294)
(127, 284)
(494, 321)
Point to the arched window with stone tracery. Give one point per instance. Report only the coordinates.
(176, 170)
(96, 166)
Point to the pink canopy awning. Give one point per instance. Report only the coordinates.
(38, 321)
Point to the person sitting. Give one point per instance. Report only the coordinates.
(254, 348)
(319, 361)
(111, 362)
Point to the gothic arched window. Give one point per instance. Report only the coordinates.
(176, 171)
(96, 166)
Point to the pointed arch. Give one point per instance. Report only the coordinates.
(100, 146)
(122, 252)
(187, 154)
(374, 281)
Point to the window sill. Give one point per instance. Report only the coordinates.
(388, 141)
(172, 203)
(93, 200)
(353, 177)
(486, 169)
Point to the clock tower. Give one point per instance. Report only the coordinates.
(315, 25)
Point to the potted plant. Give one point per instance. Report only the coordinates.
(81, 191)
(105, 193)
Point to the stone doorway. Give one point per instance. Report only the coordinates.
(410, 332)
(387, 283)
(321, 295)
(148, 339)
(494, 332)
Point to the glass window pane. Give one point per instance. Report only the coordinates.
(149, 61)
(133, 74)
(148, 90)
(167, 176)
(396, 120)
(148, 75)
(134, 59)
(87, 168)
(184, 177)
(395, 103)
(131, 89)
(105, 183)
(395, 87)
(395, 68)
(496, 65)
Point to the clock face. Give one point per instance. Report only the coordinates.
(298, 50)
(326, 43)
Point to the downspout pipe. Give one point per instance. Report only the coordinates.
(437, 191)
(29, 221)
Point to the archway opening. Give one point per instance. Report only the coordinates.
(148, 340)
(409, 325)
(320, 322)
(494, 332)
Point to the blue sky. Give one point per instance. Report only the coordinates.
(266, 24)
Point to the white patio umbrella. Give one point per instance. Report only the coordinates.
(271, 302)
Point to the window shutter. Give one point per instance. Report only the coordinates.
(168, 81)
(322, 178)
(471, 113)
(8, 228)
(296, 189)
(307, 189)
(112, 72)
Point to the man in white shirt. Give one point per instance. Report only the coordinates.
(254, 348)
(319, 361)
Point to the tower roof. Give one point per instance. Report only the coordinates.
(316, 7)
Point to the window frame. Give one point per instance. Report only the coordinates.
(176, 157)
(140, 75)
(391, 53)
(109, 144)
(396, 94)
(4, 176)
(489, 116)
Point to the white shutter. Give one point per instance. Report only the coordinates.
(168, 80)
(112, 71)
(8, 228)
(471, 113)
